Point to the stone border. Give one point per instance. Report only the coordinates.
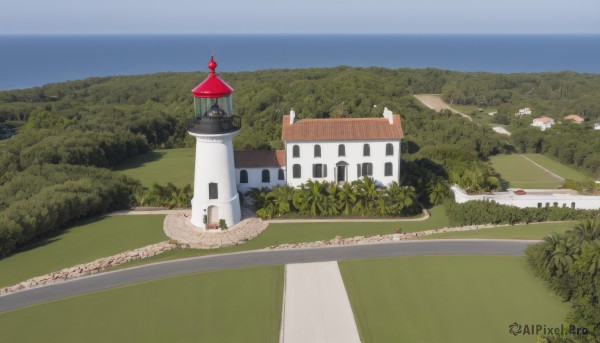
(90, 268)
(178, 227)
(338, 240)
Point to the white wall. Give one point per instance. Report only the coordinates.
(584, 202)
(214, 163)
(255, 178)
(354, 156)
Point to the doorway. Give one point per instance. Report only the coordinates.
(341, 175)
(213, 215)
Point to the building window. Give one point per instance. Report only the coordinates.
(244, 176)
(281, 175)
(358, 170)
(213, 191)
(366, 150)
(317, 150)
(296, 171)
(296, 151)
(341, 150)
(367, 169)
(539, 205)
(389, 169)
(572, 205)
(266, 176)
(389, 149)
(547, 204)
(319, 170)
(555, 204)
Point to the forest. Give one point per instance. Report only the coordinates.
(94, 124)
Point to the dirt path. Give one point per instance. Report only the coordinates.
(435, 102)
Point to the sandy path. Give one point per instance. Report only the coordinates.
(316, 307)
(435, 102)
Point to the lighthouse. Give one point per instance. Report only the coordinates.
(214, 126)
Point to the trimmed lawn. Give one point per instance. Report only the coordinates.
(518, 172)
(277, 234)
(82, 243)
(557, 168)
(161, 166)
(531, 231)
(242, 305)
(447, 298)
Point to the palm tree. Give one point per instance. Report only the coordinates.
(366, 196)
(438, 192)
(589, 260)
(586, 230)
(283, 197)
(399, 198)
(561, 258)
(346, 198)
(310, 198)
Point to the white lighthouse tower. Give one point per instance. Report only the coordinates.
(214, 126)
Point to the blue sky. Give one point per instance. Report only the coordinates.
(299, 16)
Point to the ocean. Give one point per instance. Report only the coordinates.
(27, 61)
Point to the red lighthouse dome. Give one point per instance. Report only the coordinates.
(212, 86)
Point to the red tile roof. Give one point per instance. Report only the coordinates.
(259, 158)
(544, 120)
(340, 129)
(574, 117)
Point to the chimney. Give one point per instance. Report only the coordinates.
(388, 115)
(292, 116)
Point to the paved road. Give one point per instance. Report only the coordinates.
(259, 258)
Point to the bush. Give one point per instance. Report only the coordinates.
(222, 224)
(482, 212)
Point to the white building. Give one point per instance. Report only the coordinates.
(336, 150)
(523, 112)
(597, 126)
(543, 123)
(532, 198)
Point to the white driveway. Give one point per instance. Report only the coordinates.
(316, 306)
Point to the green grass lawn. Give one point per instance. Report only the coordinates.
(242, 305)
(277, 234)
(531, 231)
(161, 166)
(447, 298)
(82, 243)
(557, 168)
(518, 172)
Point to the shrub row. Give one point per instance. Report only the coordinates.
(481, 212)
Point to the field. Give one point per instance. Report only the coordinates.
(242, 305)
(556, 167)
(82, 243)
(277, 234)
(531, 231)
(447, 298)
(161, 166)
(480, 117)
(518, 172)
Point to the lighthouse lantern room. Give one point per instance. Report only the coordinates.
(214, 126)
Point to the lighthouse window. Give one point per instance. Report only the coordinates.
(572, 205)
(281, 175)
(244, 176)
(213, 190)
(296, 151)
(389, 169)
(296, 171)
(317, 150)
(266, 176)
(366, 150)
(389, 149)
(341, 150)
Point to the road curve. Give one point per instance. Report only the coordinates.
(259, 258)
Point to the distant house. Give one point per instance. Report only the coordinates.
(492, 113)
(574, 117)
(543, 123)
(523, 112)
(597, 126)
